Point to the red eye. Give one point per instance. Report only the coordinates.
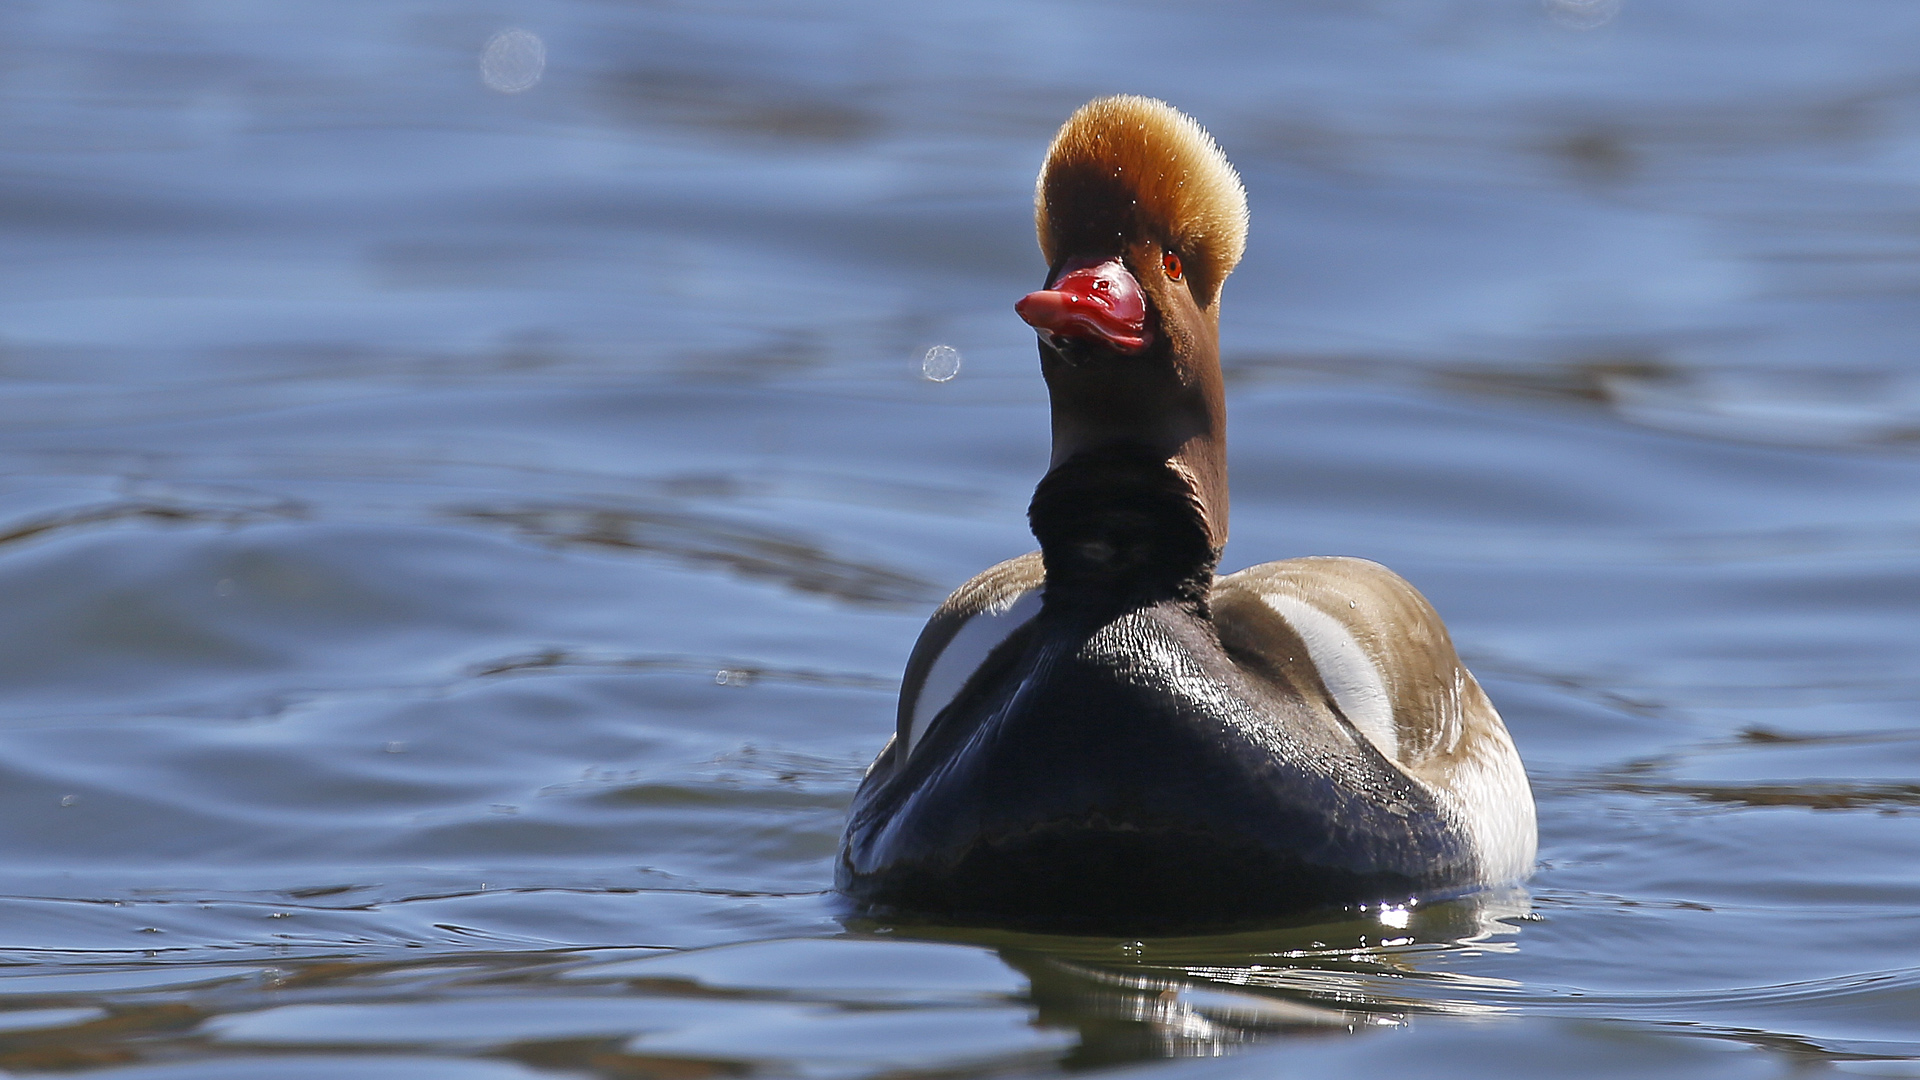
(1171, 264)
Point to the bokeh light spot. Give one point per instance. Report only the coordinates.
(513, 61)
(1582, 14)
(941, 363)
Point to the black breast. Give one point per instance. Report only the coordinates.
(1125, 777)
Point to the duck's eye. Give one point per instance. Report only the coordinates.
(1171, 264)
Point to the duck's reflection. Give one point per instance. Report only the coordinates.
(1207, 996)
(1126, 1016)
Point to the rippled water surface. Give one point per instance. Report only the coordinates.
(470, 486)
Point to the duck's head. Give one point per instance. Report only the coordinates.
(1141, 219)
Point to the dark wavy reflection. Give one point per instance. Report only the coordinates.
(748, 550)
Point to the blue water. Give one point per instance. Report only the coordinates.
(458, 547)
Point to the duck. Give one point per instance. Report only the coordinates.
(1105, 735)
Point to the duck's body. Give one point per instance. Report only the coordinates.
(1104, 735)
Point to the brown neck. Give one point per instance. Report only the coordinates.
(1169, 401)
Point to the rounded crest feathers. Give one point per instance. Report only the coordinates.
(1124, 168)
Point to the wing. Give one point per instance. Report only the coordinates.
(963, 630)
(1380, 651)
(1378, 647)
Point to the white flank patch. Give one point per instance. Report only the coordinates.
(1489, 792)
(968, 649)
(1349, 674)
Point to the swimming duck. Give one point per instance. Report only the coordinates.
(1105, 736)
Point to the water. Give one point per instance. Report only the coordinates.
(459, 545)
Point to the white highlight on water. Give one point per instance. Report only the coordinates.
(513, 60)
(941, 363)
